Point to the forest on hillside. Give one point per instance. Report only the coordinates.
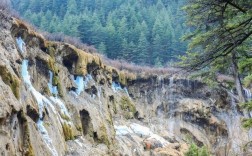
(142, 31)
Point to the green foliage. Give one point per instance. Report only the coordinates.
(137, 31)
(218, 33)
(247, 123)
(221, 41)
(194, 150)
(247, 80)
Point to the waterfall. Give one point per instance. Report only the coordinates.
(99, 93)
(53, 89)
(116, 86)
(171, 82)
(61, 105)
(171, 125)
(248, 93)
(82, 83)
(170, 97)
(21, 44)
(42, 102)
(56, 100)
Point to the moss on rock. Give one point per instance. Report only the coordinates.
(68, 133)
(65, 117)
(28, 150)
(127, 105)
(10, 80)
(32, 38)
(103, 136)
(79, 128)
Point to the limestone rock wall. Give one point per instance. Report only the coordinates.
(56, 99)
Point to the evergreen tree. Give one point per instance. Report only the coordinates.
(142, 49)
(117, 24)
(219, 36)
(102, 47)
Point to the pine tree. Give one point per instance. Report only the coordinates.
(89, 20)
(219, 36)
(102, 48)
(142, 49)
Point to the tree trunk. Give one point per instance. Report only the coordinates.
(238, 83)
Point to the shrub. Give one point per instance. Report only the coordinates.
(194, 150)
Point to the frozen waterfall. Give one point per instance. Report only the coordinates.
(42, 102)
(21, 44)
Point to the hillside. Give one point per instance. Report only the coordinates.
(143, 32)
(57, 99)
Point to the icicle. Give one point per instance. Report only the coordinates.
(126, 91)
(116, 86)
(20, 44)
(80, 84)
(53, 89)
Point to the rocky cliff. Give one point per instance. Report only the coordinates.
(56, 99)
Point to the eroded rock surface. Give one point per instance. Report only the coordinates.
(56, 99)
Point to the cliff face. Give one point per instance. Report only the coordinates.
(58, 100)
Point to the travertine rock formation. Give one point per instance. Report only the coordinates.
(56, 99)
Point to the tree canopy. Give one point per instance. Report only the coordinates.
(220, 43)
(221, 27)
(146, 31)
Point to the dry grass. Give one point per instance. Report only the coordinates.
(123, 65)
(60, 37)
(5, 6)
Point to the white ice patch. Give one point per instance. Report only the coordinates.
(126, 91)
(53, 89)
(42, 102)
(79, 81)
(116, 86)
(78, 142)
(140, 130)
(20, 43)
(46, 137)
(122, 130)
(61, 105)
(82, 83)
